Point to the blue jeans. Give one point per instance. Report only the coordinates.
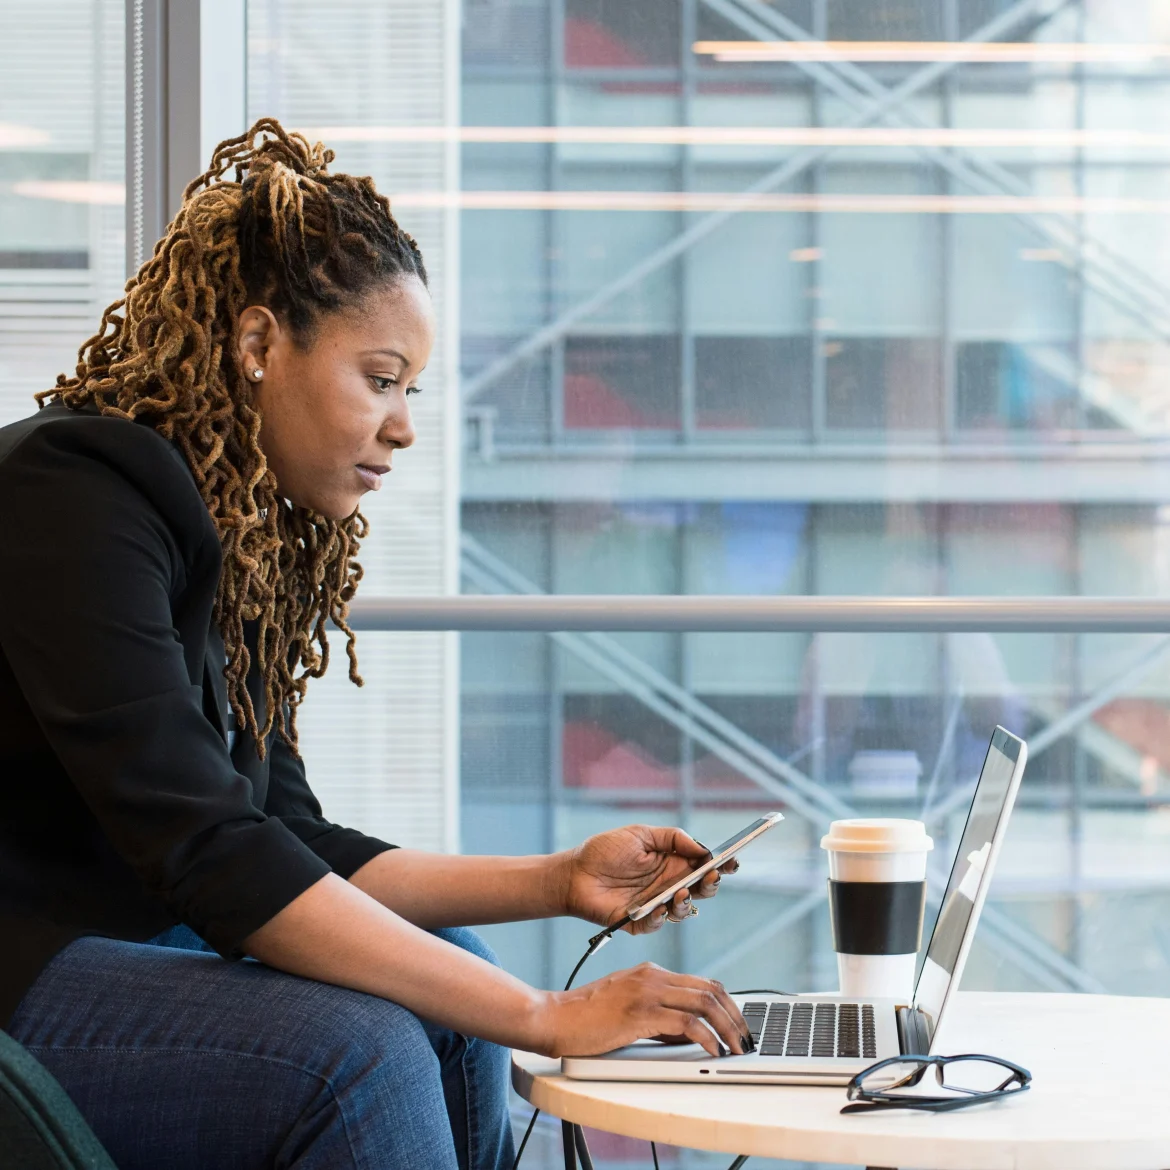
(178, 1059)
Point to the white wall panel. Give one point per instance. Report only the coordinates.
(384, 758)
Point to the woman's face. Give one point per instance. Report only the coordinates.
(334, 411)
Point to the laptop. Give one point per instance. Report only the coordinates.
(826, 1039)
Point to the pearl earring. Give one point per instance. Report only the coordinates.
(257, 374)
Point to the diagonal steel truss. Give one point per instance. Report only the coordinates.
(781, 778)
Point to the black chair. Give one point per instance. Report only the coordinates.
(40, 1128)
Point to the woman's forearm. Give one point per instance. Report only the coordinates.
(435, 889)
(337, 934)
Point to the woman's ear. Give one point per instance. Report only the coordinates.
(257, 331)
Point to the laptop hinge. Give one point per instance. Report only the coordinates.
(913, 1031)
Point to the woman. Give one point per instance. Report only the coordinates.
(181, 520)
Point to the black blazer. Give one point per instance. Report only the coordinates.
(122, 811)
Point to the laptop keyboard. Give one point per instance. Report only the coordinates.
(807, 1029)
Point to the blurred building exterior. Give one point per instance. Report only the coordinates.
(934, 364)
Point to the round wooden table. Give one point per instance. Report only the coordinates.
(1100, 1097)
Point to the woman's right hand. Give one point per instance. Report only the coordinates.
(643, 1002)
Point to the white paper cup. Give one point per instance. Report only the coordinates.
(877, 894)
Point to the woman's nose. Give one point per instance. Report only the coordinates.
(398, 429)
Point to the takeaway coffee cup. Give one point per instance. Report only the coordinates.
(877, 894)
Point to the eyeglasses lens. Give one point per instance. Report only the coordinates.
(893, 1077)
(975, 1076)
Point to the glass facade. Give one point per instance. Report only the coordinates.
(890, 320)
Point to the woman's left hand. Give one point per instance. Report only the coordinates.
(608, 874)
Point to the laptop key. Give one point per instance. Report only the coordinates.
(849, 1030)
(799, 1030)
(824, 1036)
(868, 1033)
(776, 1026)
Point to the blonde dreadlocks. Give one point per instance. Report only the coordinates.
(287, 234)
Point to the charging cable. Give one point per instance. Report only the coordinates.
(572, 1135)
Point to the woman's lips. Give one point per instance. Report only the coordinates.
(371, 475)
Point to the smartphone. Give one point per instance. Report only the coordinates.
(718, 856)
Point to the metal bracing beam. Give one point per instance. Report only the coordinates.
(1150, 305)
(757, 763)
(1003, 25)
(693, 613)
(1069, 721)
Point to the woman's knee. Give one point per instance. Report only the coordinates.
(468, 940)
(366, 1031)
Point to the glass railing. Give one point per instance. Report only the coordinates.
(580, 713)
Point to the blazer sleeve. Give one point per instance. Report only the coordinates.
(88, 567)
(292, 801)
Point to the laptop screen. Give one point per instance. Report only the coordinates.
(967, 874)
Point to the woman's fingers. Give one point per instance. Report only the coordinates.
(648, 1001)
(702, 1022)
(707, 1004)
(688, 1026)
(715, 988)
(652, 922)
(671, 840)
(708, 884)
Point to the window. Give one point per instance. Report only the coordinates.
(896, 373)
(62, 236)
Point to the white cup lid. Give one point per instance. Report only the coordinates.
(877, 835)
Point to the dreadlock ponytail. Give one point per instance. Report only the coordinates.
(284, 232)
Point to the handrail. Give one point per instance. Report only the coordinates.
(724, 614)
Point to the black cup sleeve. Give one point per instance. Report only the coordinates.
(877, 918)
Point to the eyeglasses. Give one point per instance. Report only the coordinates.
(968, 1080)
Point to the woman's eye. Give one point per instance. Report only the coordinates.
(383, 384)
(414, 389)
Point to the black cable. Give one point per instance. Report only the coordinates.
(573, 1136)
(746, 991)
(577, 1142)
(524, 1140)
